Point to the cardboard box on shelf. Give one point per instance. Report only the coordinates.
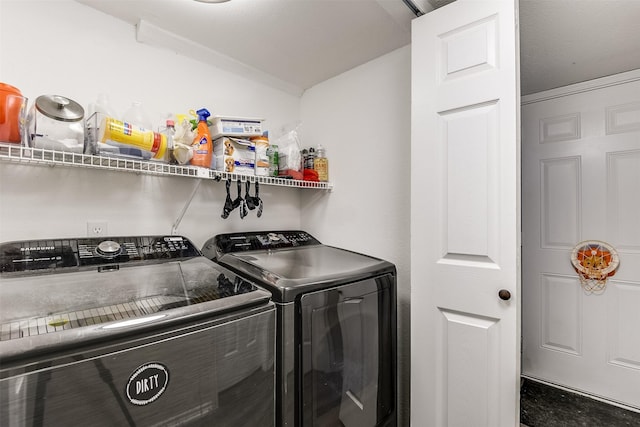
(242, 127)
(234, 155)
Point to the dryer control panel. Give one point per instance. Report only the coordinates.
(253, 241)
(34, 255)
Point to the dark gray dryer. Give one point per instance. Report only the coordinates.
(336, 326)
(131, 331)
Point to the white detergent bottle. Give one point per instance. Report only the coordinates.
(137, 116)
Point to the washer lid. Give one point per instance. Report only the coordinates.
(70, 295)
(292, 271)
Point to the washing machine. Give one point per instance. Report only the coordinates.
(336, 326)
(131, 331)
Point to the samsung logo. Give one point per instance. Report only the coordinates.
(38, 248)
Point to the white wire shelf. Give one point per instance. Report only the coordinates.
(21, 154)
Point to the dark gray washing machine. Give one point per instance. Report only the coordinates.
(336, 326)
(131, 331)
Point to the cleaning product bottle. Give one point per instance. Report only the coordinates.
(204, 147)
(146, 144)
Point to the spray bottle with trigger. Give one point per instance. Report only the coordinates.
(202, 141)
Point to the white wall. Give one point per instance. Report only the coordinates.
(363, 118)
(65, 48)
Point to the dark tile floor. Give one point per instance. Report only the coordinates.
(545, 406)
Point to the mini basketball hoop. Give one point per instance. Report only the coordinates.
(595, 262)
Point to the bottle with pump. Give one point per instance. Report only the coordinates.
(204, 147)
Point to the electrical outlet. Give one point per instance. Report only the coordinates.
(96, 228)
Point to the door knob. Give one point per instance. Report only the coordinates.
(504, 295)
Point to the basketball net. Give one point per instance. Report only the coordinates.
(595, 262)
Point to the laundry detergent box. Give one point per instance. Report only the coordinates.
(241, 127)
(234, 155)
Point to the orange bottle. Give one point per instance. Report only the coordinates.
(203, 145)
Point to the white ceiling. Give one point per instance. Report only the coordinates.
(295, 44)
(570, 41)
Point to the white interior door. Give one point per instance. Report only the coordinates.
(465, 216)
(581, 181)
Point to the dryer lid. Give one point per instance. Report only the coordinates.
(292, 271)
(310, 264)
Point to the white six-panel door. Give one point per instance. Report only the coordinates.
(581, 181)
(465, 216)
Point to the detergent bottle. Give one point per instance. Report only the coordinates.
(202, 141)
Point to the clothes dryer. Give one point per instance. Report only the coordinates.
(336, 326)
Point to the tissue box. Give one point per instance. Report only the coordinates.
(235, 126)
(234, 155)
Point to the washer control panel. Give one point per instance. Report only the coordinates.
(65, 253)
(108, 249)
(255, 241)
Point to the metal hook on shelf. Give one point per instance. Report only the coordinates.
(258, 201)
(228, 204)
